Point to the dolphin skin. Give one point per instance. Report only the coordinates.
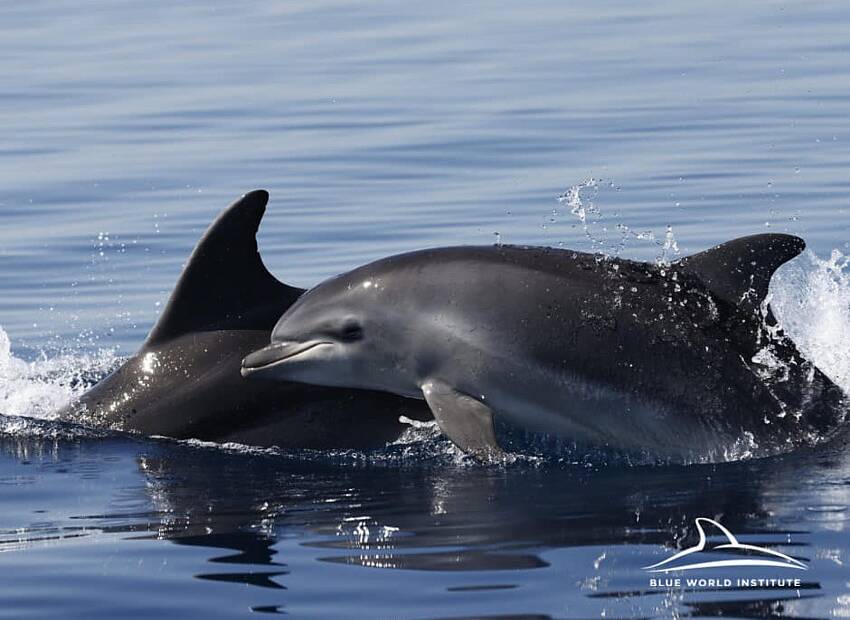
(681, 361)
(185, 381)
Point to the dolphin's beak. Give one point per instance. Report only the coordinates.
(273, 355)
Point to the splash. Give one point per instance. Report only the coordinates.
(810, 297)
(580, 205)
(40, 388)
(580, 199)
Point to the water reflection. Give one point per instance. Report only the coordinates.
(584, 532)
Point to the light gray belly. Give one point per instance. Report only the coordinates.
(572, 408)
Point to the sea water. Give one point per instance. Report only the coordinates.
(648, 131)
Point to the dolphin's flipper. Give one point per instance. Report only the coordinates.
(465, 420)
(739, 271)
(225, 284)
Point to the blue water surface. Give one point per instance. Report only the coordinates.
(381, 127)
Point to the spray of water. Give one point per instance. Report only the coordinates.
(38, 389)
(811, 299)
(580, 201)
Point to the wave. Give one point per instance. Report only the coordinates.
(32, 393)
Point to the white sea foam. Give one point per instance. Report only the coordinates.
(810, 297)
(38, 389)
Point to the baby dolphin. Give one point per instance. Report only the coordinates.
(185, 382)
(680, 361)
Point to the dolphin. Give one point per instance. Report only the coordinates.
(184, 382)
(678, 361)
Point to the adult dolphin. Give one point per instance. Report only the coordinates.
(679, 361)
(185, 382)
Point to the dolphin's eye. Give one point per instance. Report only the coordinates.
(351, 331)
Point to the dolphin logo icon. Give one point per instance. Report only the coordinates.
(764, 557)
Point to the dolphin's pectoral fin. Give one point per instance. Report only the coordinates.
(466, 421)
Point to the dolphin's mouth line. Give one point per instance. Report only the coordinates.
(276, 354)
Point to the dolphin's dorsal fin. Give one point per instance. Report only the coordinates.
(225, 284)
(739, 271)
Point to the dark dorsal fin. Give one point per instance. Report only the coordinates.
(739, 271)
(225, 284)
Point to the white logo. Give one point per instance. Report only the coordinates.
(764, 557)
